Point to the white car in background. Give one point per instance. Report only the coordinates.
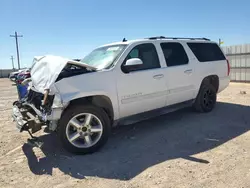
(13, 75)
(120, 83)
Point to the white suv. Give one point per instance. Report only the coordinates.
(120, 83)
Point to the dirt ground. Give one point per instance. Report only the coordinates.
(181, 149)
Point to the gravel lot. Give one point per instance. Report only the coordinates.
(181, 149)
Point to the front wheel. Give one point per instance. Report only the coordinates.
(206, 99)
(84, 129)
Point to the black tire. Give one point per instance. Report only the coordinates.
(206, 98)
(78, 109)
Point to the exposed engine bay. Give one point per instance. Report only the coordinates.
(72, 70)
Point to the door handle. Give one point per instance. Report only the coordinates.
(158, 76)
(189, 71)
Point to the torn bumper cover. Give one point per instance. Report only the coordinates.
(26, 120)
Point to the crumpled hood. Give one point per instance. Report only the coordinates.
(46, 69)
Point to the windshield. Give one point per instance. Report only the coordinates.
(103, 57)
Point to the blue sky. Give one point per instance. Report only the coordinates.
(72, 28)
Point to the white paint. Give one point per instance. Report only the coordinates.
(144, 90)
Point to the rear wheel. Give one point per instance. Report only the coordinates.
(206, 98)
(84, 129)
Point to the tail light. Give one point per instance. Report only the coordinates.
(228, 67)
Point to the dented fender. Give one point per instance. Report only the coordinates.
(87, 85)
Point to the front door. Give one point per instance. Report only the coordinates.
(142, 89)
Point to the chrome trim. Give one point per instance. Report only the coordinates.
(18, 118)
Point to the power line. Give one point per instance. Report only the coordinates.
(12, 58)
(17, 50)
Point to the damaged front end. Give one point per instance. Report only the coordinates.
(42, 105)
(32, 112)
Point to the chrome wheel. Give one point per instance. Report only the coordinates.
(84, 130)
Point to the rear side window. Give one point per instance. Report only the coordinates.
(206, 51)
(174, 54)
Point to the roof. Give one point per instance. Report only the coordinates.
(121, 43)
(161, 38)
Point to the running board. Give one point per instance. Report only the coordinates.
(151, 114)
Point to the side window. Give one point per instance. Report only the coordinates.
(206, 51)
(174, 54)
(148, 54)
(133, 54)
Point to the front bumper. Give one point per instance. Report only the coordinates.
(18, 118)
(25, 120)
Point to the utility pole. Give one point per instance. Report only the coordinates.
(12, 58)
(17, 50)
(221, 42)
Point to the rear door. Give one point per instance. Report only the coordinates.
(179, 73)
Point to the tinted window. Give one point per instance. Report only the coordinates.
(206, 51)
(147, 53)
(174, 54)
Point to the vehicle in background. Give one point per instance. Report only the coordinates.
(22, 76)
(13, 75)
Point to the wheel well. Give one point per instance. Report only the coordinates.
(212, 79)
(101, 101)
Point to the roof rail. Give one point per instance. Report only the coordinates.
(175, 38)
(154, 38)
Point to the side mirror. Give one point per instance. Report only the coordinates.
(133, 62)
(131, 65)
